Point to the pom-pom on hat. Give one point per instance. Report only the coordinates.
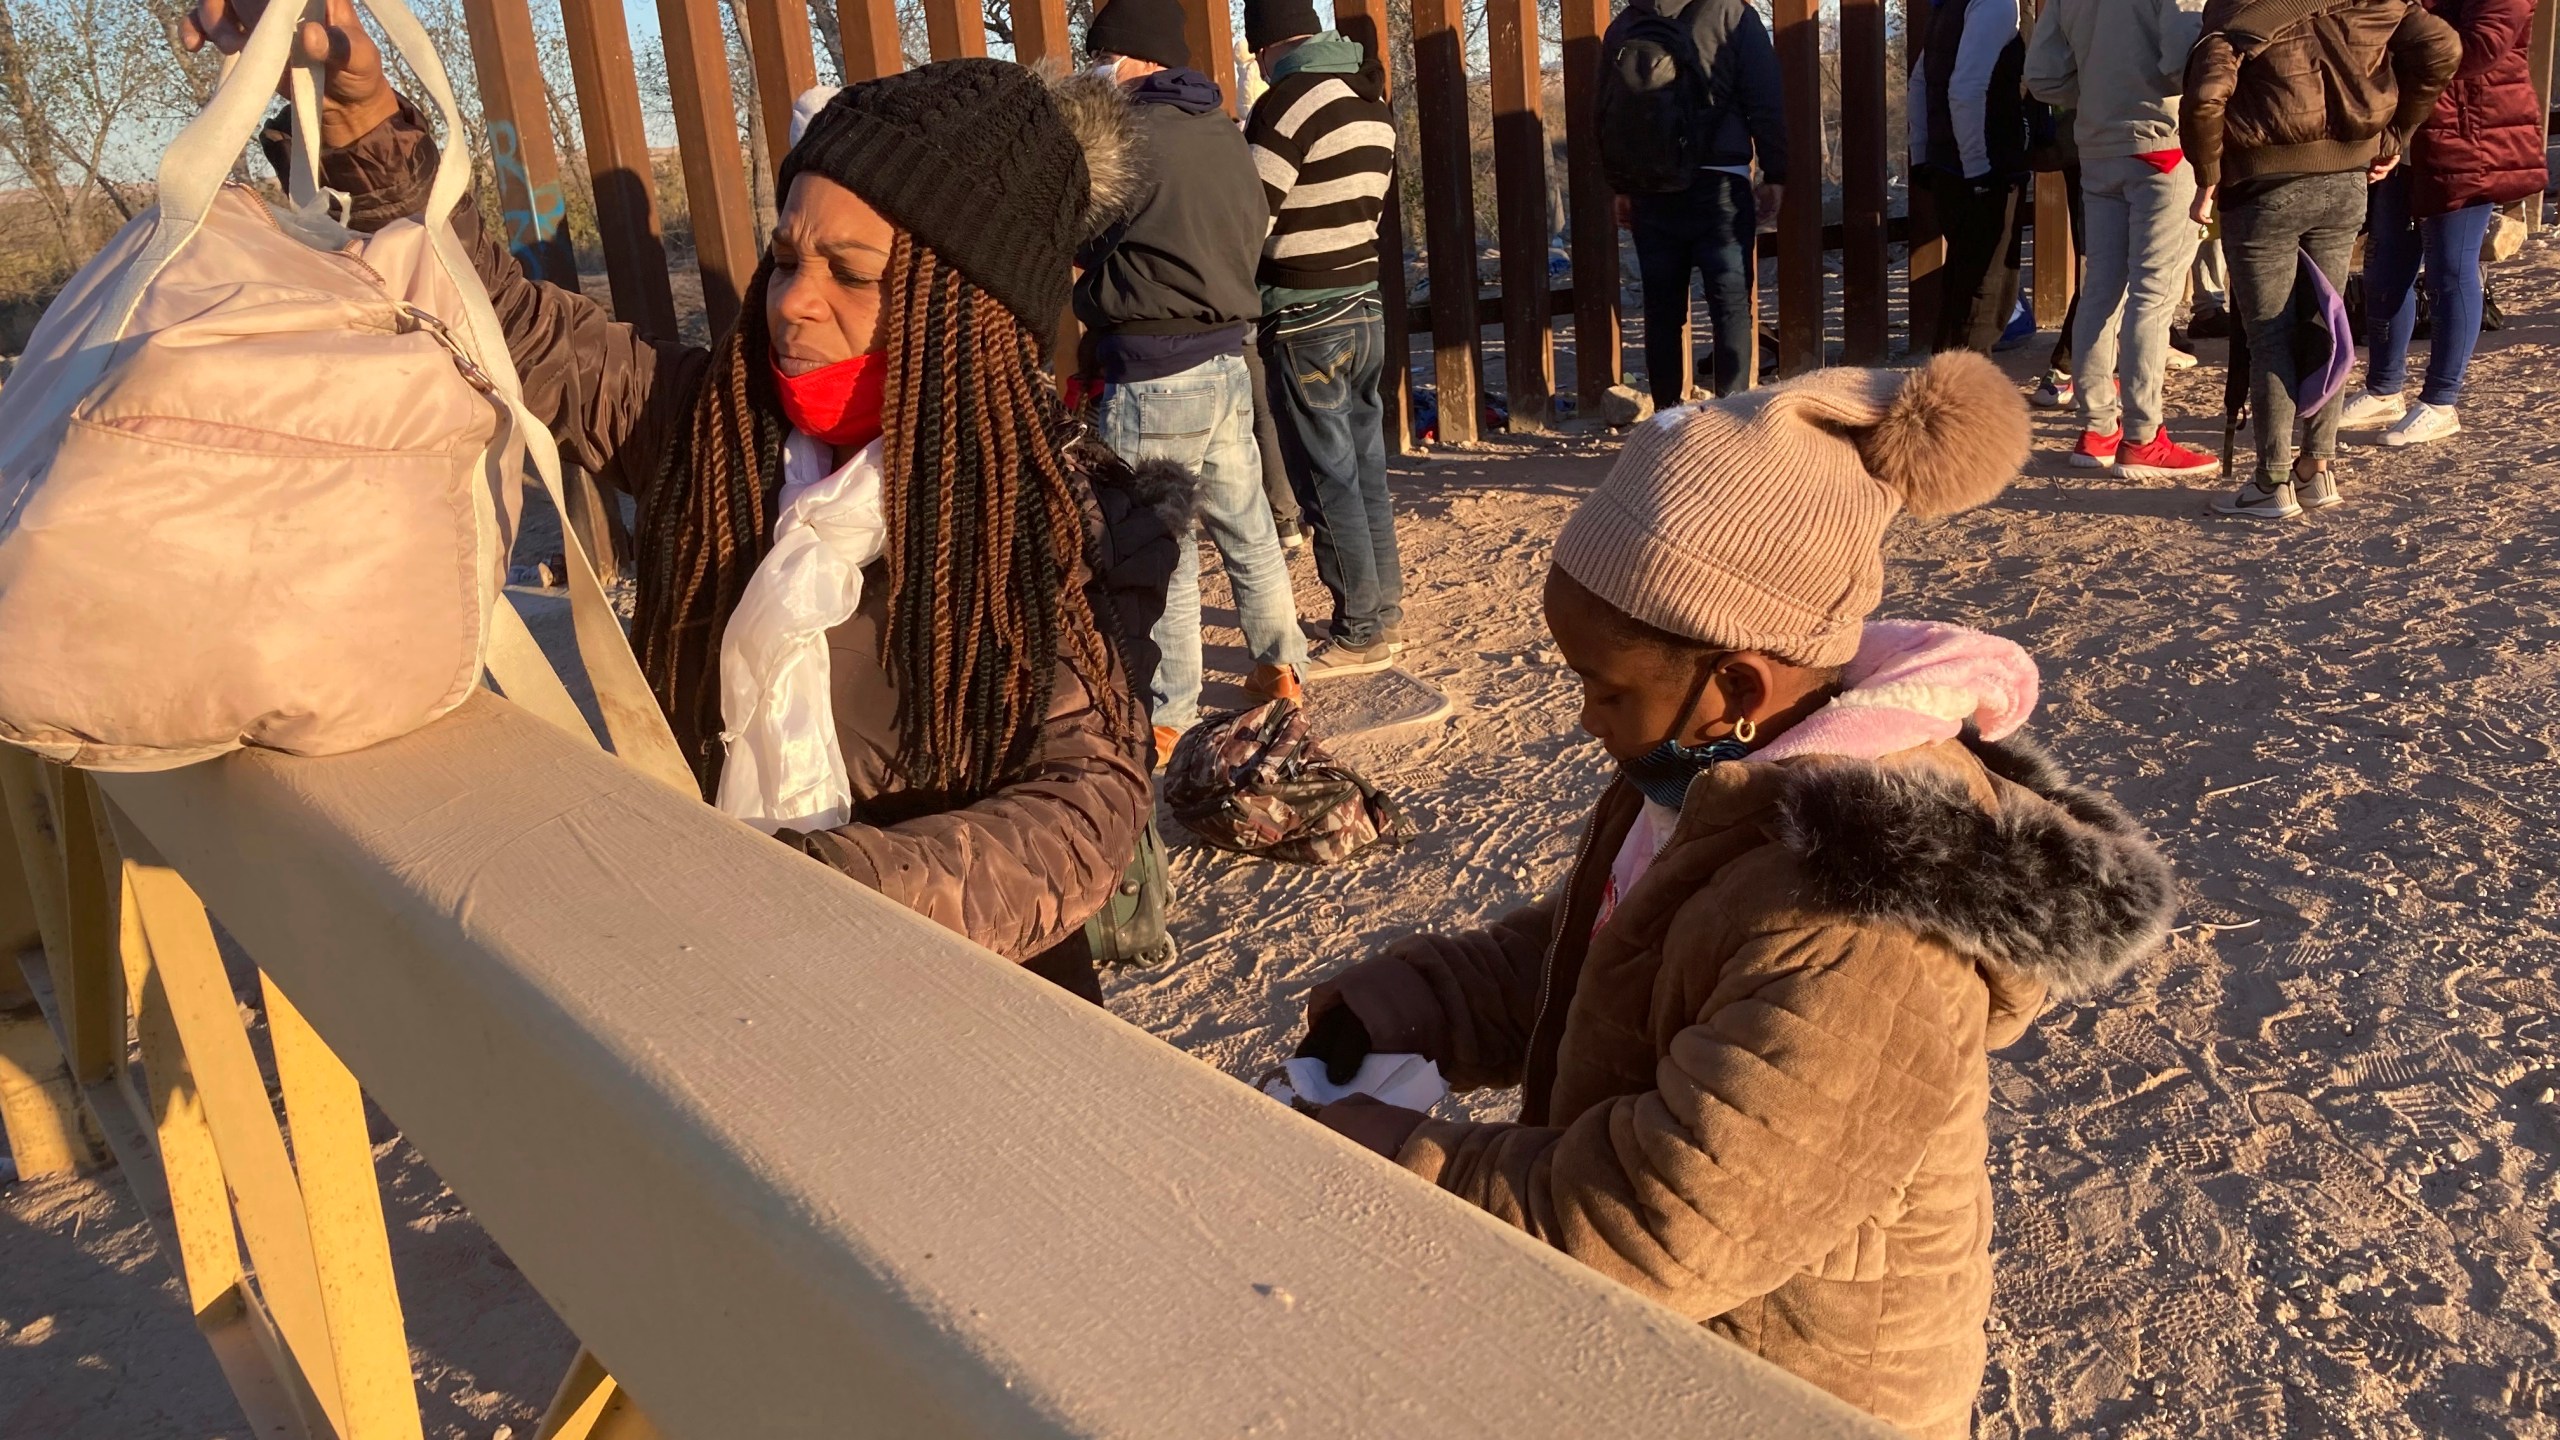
(1756, 522)
(1001, 172)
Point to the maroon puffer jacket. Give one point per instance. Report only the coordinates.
(2484, 141)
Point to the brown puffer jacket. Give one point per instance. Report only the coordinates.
(2309, 87)
(1758, 1093)
(1018, 871)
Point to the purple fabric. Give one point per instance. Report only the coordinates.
(2318, 307)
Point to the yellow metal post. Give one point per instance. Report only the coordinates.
(264, 1192)
(590, 1406)
(333, 1155)
(39, 1106)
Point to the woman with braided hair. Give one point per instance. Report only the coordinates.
(875, 586)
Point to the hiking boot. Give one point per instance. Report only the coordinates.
(1333, 658)
(1274, 682)
(2096, 451)
(2260, 501)
(2056, 393)
(2161, 458)
(2372, 410)
(2317, 489)
(2209, 323)
(2423, 423)
(1166, 735)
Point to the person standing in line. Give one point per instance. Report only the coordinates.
(2291, 110)
(2118, 65)
(2480, 149)
(1324, 147)
(1167, 299)
(1969, 130)
(1712, 228)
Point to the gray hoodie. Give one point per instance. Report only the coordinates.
(2120, 64)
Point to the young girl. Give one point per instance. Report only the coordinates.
(1752, 1027)
(873, 586)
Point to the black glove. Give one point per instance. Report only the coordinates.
(1338, 1039)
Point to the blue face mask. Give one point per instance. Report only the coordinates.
(1663, 773)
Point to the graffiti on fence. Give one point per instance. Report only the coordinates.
(533, 213)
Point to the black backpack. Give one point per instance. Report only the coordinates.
(1654, 103)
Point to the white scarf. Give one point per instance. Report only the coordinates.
(785, 768)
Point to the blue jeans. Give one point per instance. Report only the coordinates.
(2140, 245)
(1322, 360)
(2450, 246)
(1711, 228)
(1202, 420)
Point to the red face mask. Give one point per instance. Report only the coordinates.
(836, 404)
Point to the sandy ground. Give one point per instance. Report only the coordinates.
(2296, 1176)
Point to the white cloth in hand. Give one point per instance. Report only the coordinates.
(1406, 1080)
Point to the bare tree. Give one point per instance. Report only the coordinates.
(74, 74)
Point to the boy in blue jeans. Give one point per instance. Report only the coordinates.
(1324, 145)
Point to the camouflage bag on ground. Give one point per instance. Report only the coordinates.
(1259, 784)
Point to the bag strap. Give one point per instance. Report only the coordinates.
(198, 162)
(633, 721)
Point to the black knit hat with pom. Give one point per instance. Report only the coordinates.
(999, 172)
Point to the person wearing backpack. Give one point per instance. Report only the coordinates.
(1969, 137)
(875, 594)
(2293, 108)
(2117, 66)
(1688, 102)
(1752, 1026)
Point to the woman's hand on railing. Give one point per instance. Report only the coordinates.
(357, 96)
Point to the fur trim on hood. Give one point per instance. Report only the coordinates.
(2070, 892)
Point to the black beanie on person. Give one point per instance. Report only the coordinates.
(1268, 22)
(1141, 30)
(1000, 173)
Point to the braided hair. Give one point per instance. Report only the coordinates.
(988, 542)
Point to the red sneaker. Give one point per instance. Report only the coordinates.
(2096, 451)
(2161, 458)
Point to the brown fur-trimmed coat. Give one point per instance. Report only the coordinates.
(1758, 1093)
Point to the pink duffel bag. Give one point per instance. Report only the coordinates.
(259, 475)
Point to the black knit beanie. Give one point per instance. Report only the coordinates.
(998, 172)
(1268, 22)
(1141, 30)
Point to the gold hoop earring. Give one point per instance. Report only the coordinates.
(1746, 730)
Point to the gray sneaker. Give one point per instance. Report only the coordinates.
(2260, 501)
(1333, 658)
(2317, 489)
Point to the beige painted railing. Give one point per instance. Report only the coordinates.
(792, 1161)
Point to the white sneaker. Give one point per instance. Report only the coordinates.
(2180, 359)
(2371, 410)
(2055, 393)
(2423, 423)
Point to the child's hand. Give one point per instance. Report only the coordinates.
(1371, 1124)
(1336, 1036)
